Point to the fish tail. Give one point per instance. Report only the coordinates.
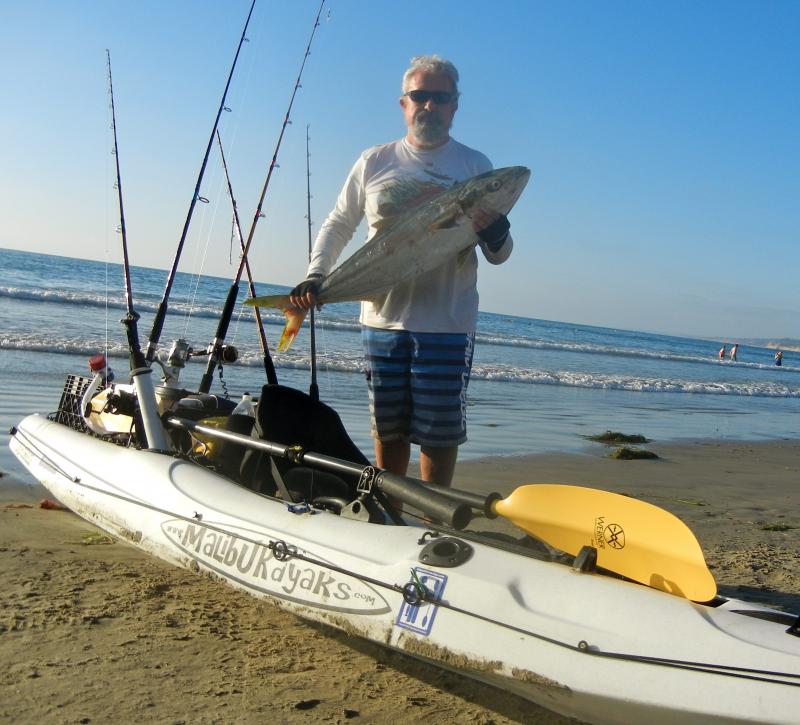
(294, 320)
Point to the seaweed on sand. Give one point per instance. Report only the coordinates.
(777, 527)
(611, 437)
(629, 454)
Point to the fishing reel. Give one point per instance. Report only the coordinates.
(227, 353)
(179, 354)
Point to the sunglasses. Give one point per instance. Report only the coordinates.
(438, 97)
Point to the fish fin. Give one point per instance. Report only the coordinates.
(448, 222)
(294, 320)
(276, 301)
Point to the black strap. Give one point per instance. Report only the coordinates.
(495, 235)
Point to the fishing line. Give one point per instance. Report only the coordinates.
(237, 228)
(322, 320)
(201, 248)
(242, 92)
(152, 434)
(215, 349)
(161, 313)
(313, 390)
(106, 186)
(244, 88)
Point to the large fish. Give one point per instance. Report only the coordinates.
(417, 242)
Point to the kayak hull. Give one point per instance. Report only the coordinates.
(593, 647)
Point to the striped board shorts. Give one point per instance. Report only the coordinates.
(418, 385)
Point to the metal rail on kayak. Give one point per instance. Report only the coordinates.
(452, 508)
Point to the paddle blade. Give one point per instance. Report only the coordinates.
(632, 537)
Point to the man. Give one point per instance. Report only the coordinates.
(418, 339)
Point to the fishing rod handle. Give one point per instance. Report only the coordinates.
(428, 499)
(456, 514)
(480, 502)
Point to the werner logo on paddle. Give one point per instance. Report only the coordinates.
(611, 535)
(253, 564)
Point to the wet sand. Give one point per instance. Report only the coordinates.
(91, 630)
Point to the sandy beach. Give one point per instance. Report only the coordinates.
(91, 630)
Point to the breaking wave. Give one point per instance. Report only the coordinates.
(352, 362)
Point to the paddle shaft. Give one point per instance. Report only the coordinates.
(455, 514)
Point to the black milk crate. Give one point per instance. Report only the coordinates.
(69, 409)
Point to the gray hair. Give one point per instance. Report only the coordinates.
(431, 64)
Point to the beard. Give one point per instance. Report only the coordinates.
(430, 129)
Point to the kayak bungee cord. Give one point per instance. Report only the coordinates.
(313, 389)
(415, 592)
(215, 349)
(161, 313)
(153, 434)
(269, 368)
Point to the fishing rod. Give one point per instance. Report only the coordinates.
(216, 348)
(161, 313)
(269, 367)
(313, 389)
(140, 372)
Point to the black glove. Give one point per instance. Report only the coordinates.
(307, 285)
(494, 236)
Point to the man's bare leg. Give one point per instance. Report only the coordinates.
(393, 456)
(437, 465)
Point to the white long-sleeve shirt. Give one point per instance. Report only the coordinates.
(387, 181)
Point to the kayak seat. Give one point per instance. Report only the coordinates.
(290, 417)
(202, 408)
(228, 457)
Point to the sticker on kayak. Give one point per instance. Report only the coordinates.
(253, 564)
(419, 617)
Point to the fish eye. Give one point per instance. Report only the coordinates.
(495, 185)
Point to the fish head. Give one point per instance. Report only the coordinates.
(497, 190)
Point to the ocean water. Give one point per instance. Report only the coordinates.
(537, 385)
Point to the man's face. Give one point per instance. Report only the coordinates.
(429, 122)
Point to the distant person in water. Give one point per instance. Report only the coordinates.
(778, 358)
(733, 352)
(722, 353)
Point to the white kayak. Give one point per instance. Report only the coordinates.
(584, 644)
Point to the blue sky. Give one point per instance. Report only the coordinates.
(662, 137)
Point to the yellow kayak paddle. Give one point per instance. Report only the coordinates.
(632, 538)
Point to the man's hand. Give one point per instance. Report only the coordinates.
(304, 295)
(491, 227)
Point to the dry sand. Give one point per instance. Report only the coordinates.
(93, 631)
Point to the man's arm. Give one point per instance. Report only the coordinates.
(340, 225)
(334, 234)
